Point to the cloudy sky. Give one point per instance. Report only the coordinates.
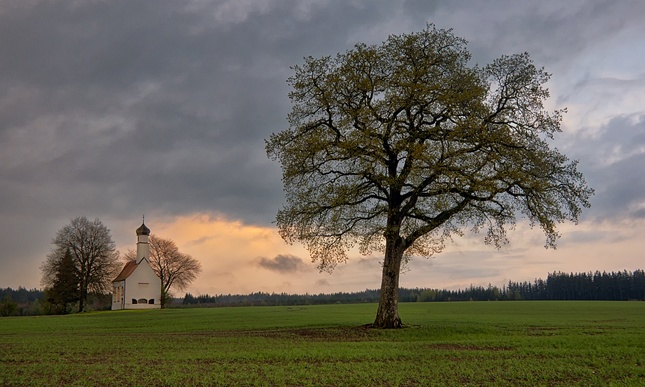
(112, 109)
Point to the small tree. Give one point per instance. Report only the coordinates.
(397, 147)
(65, 287)
(175, 269)
(93, 253)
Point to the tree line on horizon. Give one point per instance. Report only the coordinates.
(614, 286)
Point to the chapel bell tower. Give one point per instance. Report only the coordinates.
(143, 247)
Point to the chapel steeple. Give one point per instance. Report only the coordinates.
(143, 247)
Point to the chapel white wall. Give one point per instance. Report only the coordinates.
(143, 283)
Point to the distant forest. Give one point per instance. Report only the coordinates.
(33, 302)
(20, 302)
(614, 286)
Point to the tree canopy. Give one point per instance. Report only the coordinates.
(396, 147)
(94, 256)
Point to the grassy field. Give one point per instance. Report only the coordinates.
(469, 343)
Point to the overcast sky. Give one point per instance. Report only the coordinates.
(112, 109)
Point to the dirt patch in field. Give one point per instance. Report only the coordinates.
(543, 331)
(463, 347)
(361, 333)
(340, 334)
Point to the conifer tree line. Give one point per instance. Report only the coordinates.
(614, 286)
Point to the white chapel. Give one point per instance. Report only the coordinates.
(137, 286)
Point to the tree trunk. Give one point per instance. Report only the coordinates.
(81, 303)
(82, 295)
(387, 315)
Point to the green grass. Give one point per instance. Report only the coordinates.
(470, 343)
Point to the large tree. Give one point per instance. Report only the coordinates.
(94, 255)
(175, 269)
(397, 147)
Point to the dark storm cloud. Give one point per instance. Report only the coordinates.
(283, 263)
(165, 100)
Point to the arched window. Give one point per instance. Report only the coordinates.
(142, 301)
(134, 301)
(151, 301)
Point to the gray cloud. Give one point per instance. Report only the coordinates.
(283, 263)
(172, 101)
(613, 163)
(322, 283)
(163, 101)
